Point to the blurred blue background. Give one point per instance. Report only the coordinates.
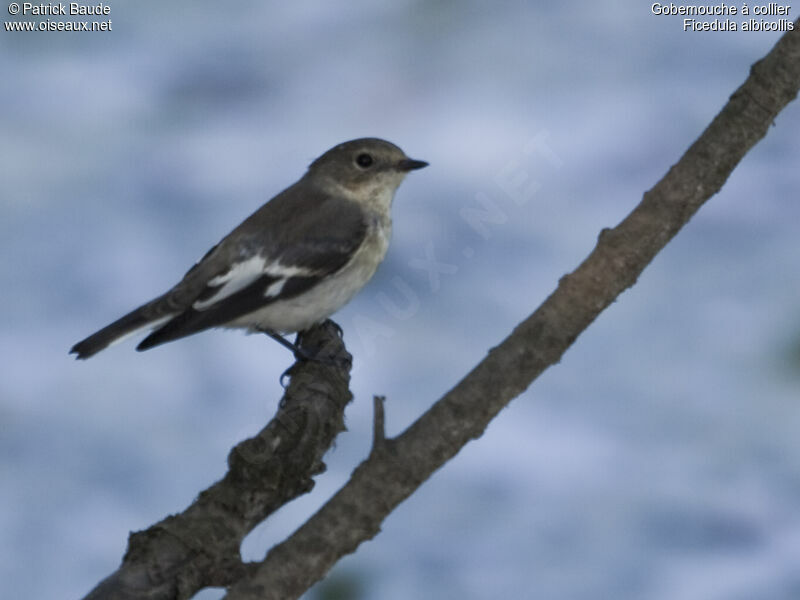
(660, 459)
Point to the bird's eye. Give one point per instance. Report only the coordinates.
(364, 160)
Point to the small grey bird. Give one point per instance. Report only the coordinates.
(289, 265)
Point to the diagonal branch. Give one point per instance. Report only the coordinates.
(199, 547)
(396, 467)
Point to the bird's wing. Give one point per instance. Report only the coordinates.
(285, 248)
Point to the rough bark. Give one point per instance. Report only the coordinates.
(199, 547)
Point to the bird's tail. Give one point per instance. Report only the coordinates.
(123, 328)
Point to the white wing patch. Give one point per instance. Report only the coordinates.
(239, 277)
(275, 288)
(285, 273)
(246, 272)
(276, 269)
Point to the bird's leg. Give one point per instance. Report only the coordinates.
(298, 352)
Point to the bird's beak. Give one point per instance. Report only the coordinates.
(409, 164)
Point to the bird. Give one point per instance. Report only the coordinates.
(291, 264)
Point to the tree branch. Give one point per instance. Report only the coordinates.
(184, 553)
(396, 467)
